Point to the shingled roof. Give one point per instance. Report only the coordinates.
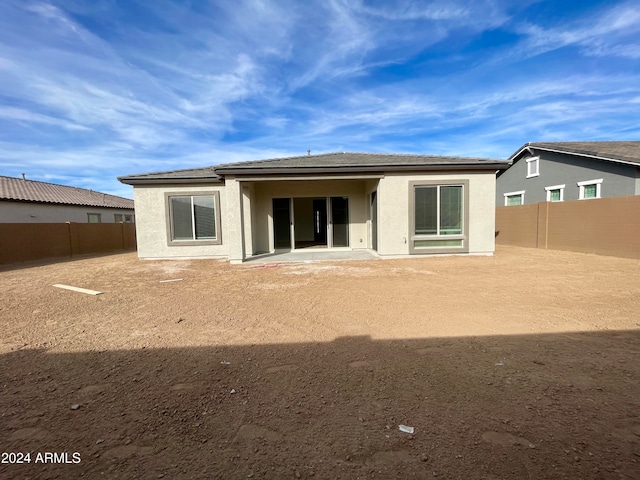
(621, 152)
(17, 189)
(357, 162)
(190, 175)
(326, 163)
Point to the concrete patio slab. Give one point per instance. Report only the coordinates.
(313, 255)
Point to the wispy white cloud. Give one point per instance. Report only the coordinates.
(103, 89)
(628, 50)
(457, 12)
(360, 38)
(22, 115)
(607, 32)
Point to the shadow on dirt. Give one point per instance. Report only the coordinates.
(538, 406)
(43, 262)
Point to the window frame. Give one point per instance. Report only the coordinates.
(555, 187)
(97, 215)
(514, 194)
(533, 161)
(597, 182)
(444, 239)
(169, 218)
(124, 218)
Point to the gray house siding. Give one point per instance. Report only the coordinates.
(565, 169)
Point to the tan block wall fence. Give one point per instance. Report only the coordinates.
(607, 226)
(26, 242)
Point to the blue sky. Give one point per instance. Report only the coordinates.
(91, 90)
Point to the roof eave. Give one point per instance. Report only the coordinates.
(163, 181)
(527, 146)
(530, 146)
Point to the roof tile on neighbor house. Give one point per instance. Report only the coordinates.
(17, 189)
(621, 151)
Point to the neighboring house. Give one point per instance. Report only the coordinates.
(29, 201)
(560, 171)
(392, 204)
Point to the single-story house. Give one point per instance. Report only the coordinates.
(393, 205)
(29, 201)
(559, 171)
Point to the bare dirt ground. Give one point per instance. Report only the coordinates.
(521, 365)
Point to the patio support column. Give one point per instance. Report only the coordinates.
(247, 224)
(235, 233)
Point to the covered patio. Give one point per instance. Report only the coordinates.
(302, 218)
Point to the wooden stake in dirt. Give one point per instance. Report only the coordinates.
(77, 289)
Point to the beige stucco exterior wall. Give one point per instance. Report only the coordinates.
(247, 224)
(152, 225)
(393, 211)
(30, 212)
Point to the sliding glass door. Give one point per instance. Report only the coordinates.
(282, 223)
(374, 221)
(303, 222)
(340, 221)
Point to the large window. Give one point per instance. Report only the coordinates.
(194, 218)
(94, 217)
(122, 218)
(438, 217)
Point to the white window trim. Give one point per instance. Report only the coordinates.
(597, 183)
(513, 194)
(529, 161)
(555, 187)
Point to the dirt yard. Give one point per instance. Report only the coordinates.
(525, 365)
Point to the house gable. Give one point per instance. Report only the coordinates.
(566, 165)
